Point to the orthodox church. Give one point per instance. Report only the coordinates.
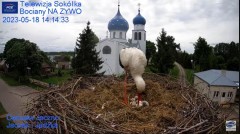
(109, 48)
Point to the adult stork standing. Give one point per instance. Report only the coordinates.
(134, 61)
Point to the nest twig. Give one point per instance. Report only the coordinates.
(84, 109)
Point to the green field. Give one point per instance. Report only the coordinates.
(57, 80)
(189, 75)
(174, 72)
(12, 82)
(9, 80)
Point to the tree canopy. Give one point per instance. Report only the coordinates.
(184, 59)
(222, 56)
(202, 54)
(22, 54)
(227, 56)
(166, 55)
(150, 50)
(87, 60)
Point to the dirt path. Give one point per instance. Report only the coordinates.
(12, 99)
(182, 74)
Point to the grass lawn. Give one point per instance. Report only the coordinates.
(174, 72)
(9, 80)
(12, 82)
(4, 122)
(58, 80)
(189, 75)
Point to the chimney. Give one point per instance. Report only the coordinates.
(223, 72)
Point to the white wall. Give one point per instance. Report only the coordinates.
(117, 36)
(139, 27)
(110, 61)
(203, 88)
(222, 89)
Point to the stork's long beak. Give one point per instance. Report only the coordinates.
(139, 97)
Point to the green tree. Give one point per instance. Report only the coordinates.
(227, 55)
(45, 58)
(233, 64)
(202, 54)
(1, 55)
(150, 50)
(22, 54)
(10, 43)
(166, 55)
(184, 59)
(86, 60)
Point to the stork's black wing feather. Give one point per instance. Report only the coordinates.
(120, 63)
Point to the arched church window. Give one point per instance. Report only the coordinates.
(139, 36)
(114, 34)
(135, 36)
(120, 35)
(106, 50)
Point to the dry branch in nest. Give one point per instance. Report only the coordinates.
(95, 105)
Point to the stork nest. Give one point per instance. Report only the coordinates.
(95, 105)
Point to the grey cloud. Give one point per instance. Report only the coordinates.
(186, 20)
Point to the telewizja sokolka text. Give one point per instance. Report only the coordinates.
(40, 11)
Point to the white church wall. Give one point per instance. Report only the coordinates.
(109, 60)
(118, 36)
(142, 42)
(139, 27)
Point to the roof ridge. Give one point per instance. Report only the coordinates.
(216, 79)
(221, 75)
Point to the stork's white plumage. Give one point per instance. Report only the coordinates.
(134, 61)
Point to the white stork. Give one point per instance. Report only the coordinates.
(134, 61)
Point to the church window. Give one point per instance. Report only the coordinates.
(139, 36)
(120, 35)
(114, 34)
(144, 36)
(135, 36)
(106, 50)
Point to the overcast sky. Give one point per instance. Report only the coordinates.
(185, 20)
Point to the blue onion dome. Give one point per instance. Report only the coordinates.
(118, 23)
(139, 19)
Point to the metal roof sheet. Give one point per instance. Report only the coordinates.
(219, 77)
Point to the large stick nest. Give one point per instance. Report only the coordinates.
(95, 105)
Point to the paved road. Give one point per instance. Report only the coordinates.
(182, 75)
(11, 99)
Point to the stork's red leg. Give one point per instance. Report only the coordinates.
(125, 89)
(139, 97)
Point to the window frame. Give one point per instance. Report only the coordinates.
(139, 35)
(120, 35)
(114, 34)
(215, 94)
(135, 36)
(106, 50)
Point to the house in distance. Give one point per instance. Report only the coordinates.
(218, 85)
